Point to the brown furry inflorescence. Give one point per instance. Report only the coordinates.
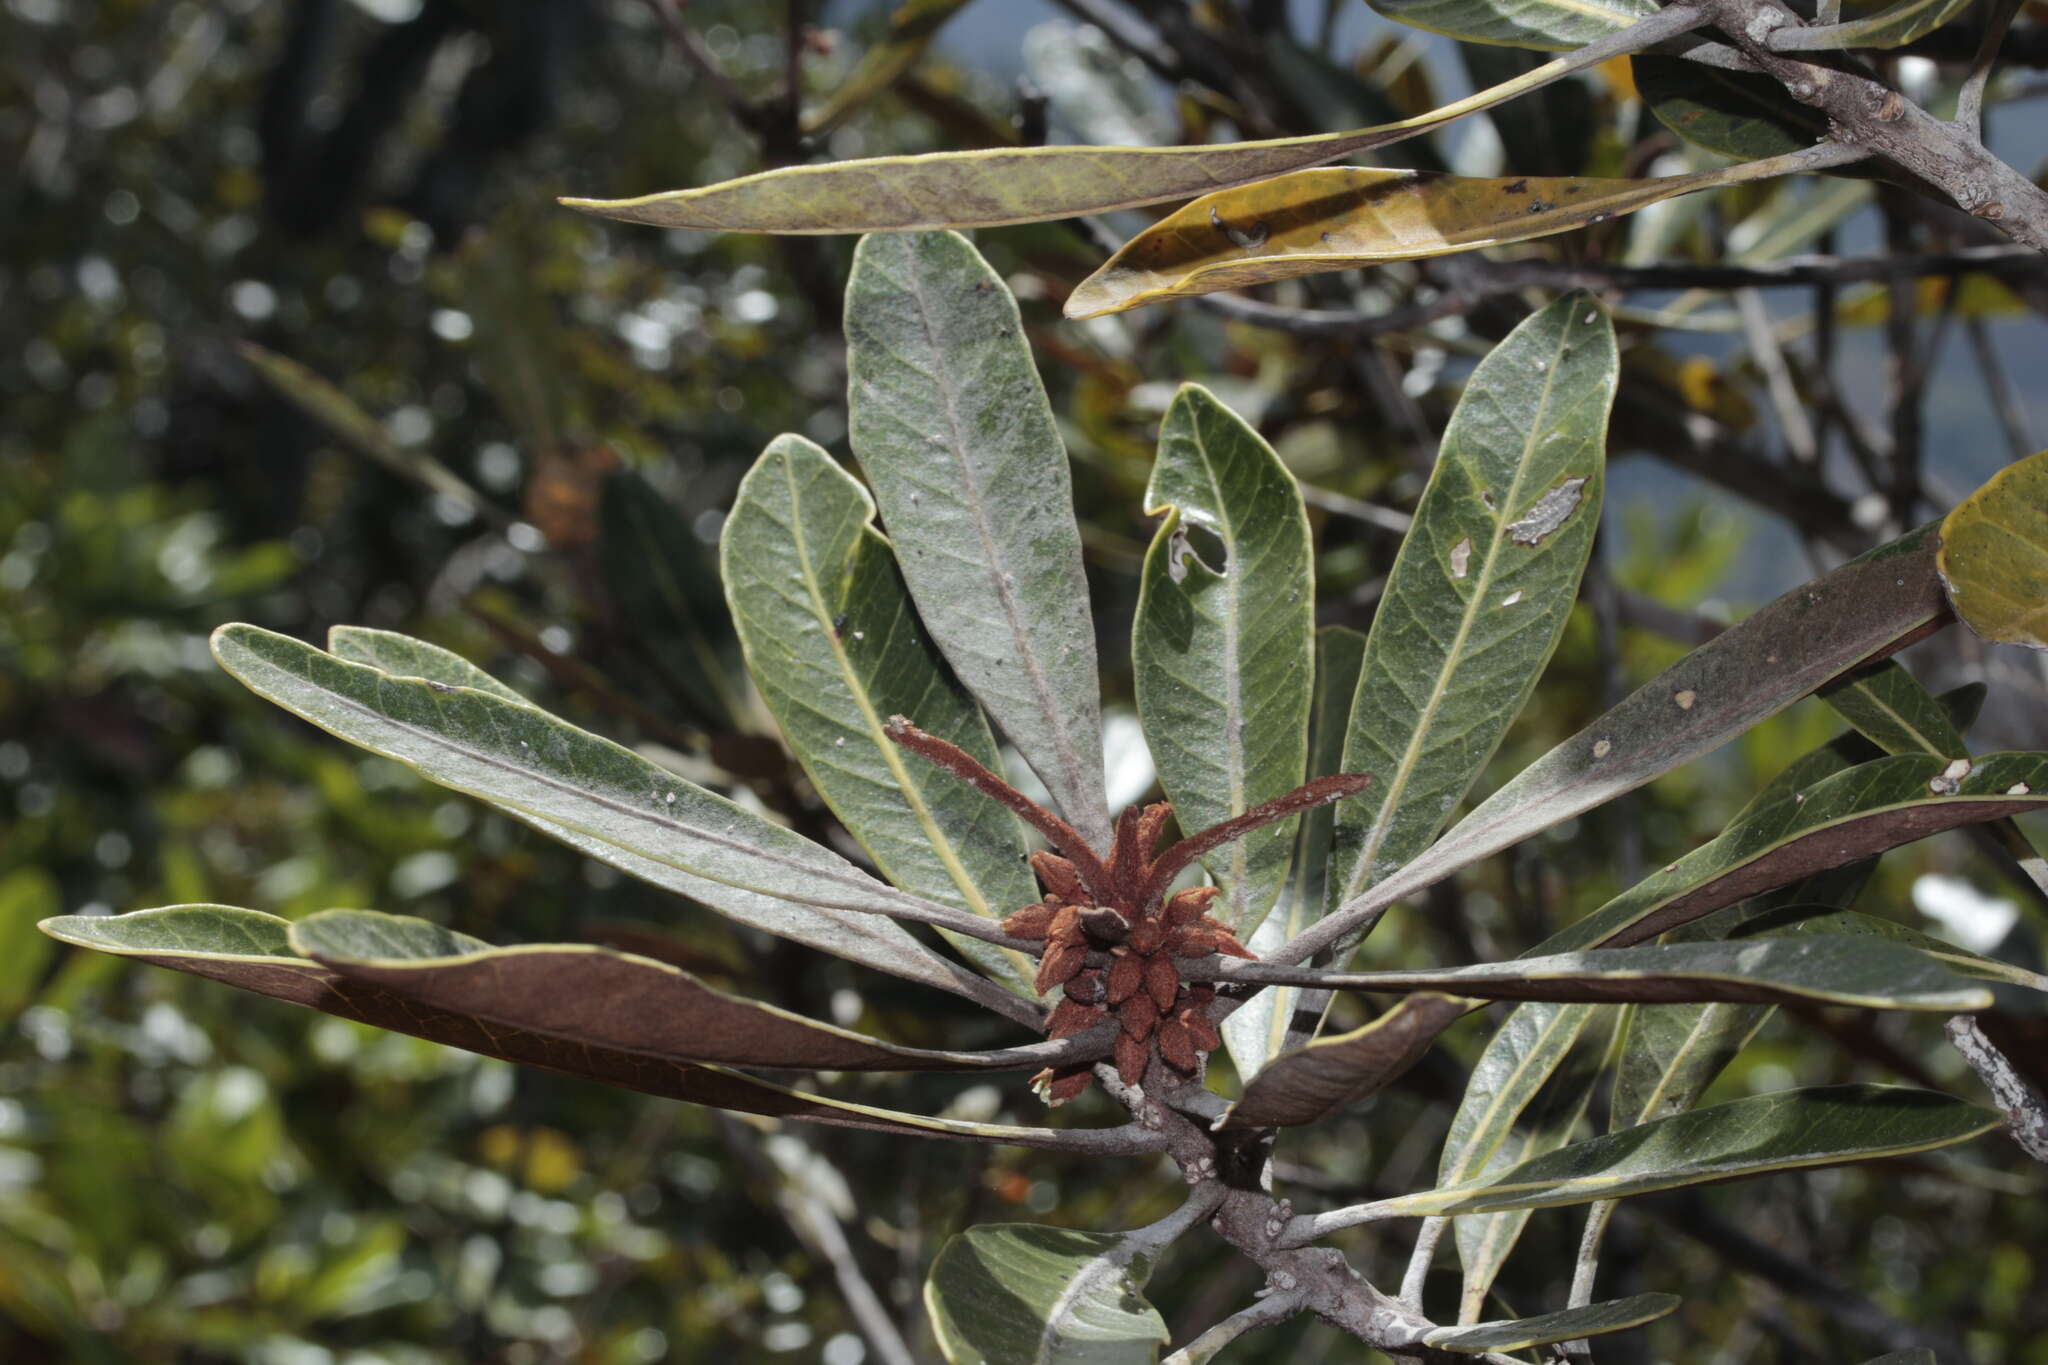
(1114, 941)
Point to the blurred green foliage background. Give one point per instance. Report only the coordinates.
(549, 413)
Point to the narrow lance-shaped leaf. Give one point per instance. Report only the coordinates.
(1347, 217)
(991, 187)
(1222, 653)
(1481, 589)
(1743, 114)
(1525, 1097)
(405, 657)
(1852, 815)
(1786, 1130)
(1547, 24)
(1257, 1029)
(1011, 1293)
(1893, 26)
(549, 772)
(1994, 556)
(1835, 921)
(1866, 609)
(665, 589)
(1890, 708)
(252, 951)
(836, 649)
(1849, 749)
(1589, 1320)
(601, 998)
(1331, 1074)
(953, 430)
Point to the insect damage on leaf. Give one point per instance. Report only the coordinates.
(1550, 511)
(1114, 941)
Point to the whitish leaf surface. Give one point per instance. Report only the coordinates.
(1020, 1294)
(1331, 1074)
(405, 657)
(1222, 653)
(1526, 1094)
(1994, 555)
(836, 649)
(991, 187)
(1870, 808)
(1347, 217)
(1546, 24)
(597, 997)
(1257, 1029)
(1589, 1320)
(1786, 1130)
(664, 587)
(559, 777)
(1893, 26)
(1483, 584)
(252, 951)
(1866, 609)
(953, 430)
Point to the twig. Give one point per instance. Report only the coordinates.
(1386, 518)
(699, 60)
(2025, 1110)
(1970, 103)
(1274, 1308)
(1793, 425)
(1417, 1274)
(1998, 388)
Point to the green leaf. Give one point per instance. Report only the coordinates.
(252, 951)
(1994, 556)
(558, 777)
(600, 998)
(1866, 609)
(1918, 1355)
(1592, 1319)
(664, 588)
(1257, 1029)
(1893, 26)
(1552, 25)
(27, 894)
(1835, 971)
(911, 29)
(995, 186)
(1483, 584)
(1525, 1096)
(836, 649)
(1742, 114)
(954, 433)
(1020, 1294)
(1331, 1074)
(1221, 654)
(1890, 708)
(1782, 1131)
(1346, 217)
(403, 656)
(1835, 921)
(1847, 750)
(1870, 808)
(364, 434)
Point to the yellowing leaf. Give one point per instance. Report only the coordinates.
(1342, 217)
(1994, 556)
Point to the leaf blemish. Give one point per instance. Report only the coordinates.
(2019, 789)
(1685, 699)
(1511, 598)
(1461, 557)
(1601, 748)
(1250, 239)
(1550, 511)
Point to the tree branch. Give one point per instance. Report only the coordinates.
(2025, 1110)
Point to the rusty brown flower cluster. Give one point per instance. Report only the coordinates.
(1114, 940)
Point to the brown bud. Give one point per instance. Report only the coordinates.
(1149, 824)
(1066, 924)
(1200, 1029)
(1059, 877)
(1138, 1015)
(1162, 981)
(1064, 1084)
(1147, 935)
(1200, 996)
(1226, 942)
(1070, 1017)
(1131, 1056)
(1033, 921)
(1086, 987)
(1104, 925)
(1190, 940)
(1062, 963)
(1126, 976)
(1188, 906)
(1177, 1045)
